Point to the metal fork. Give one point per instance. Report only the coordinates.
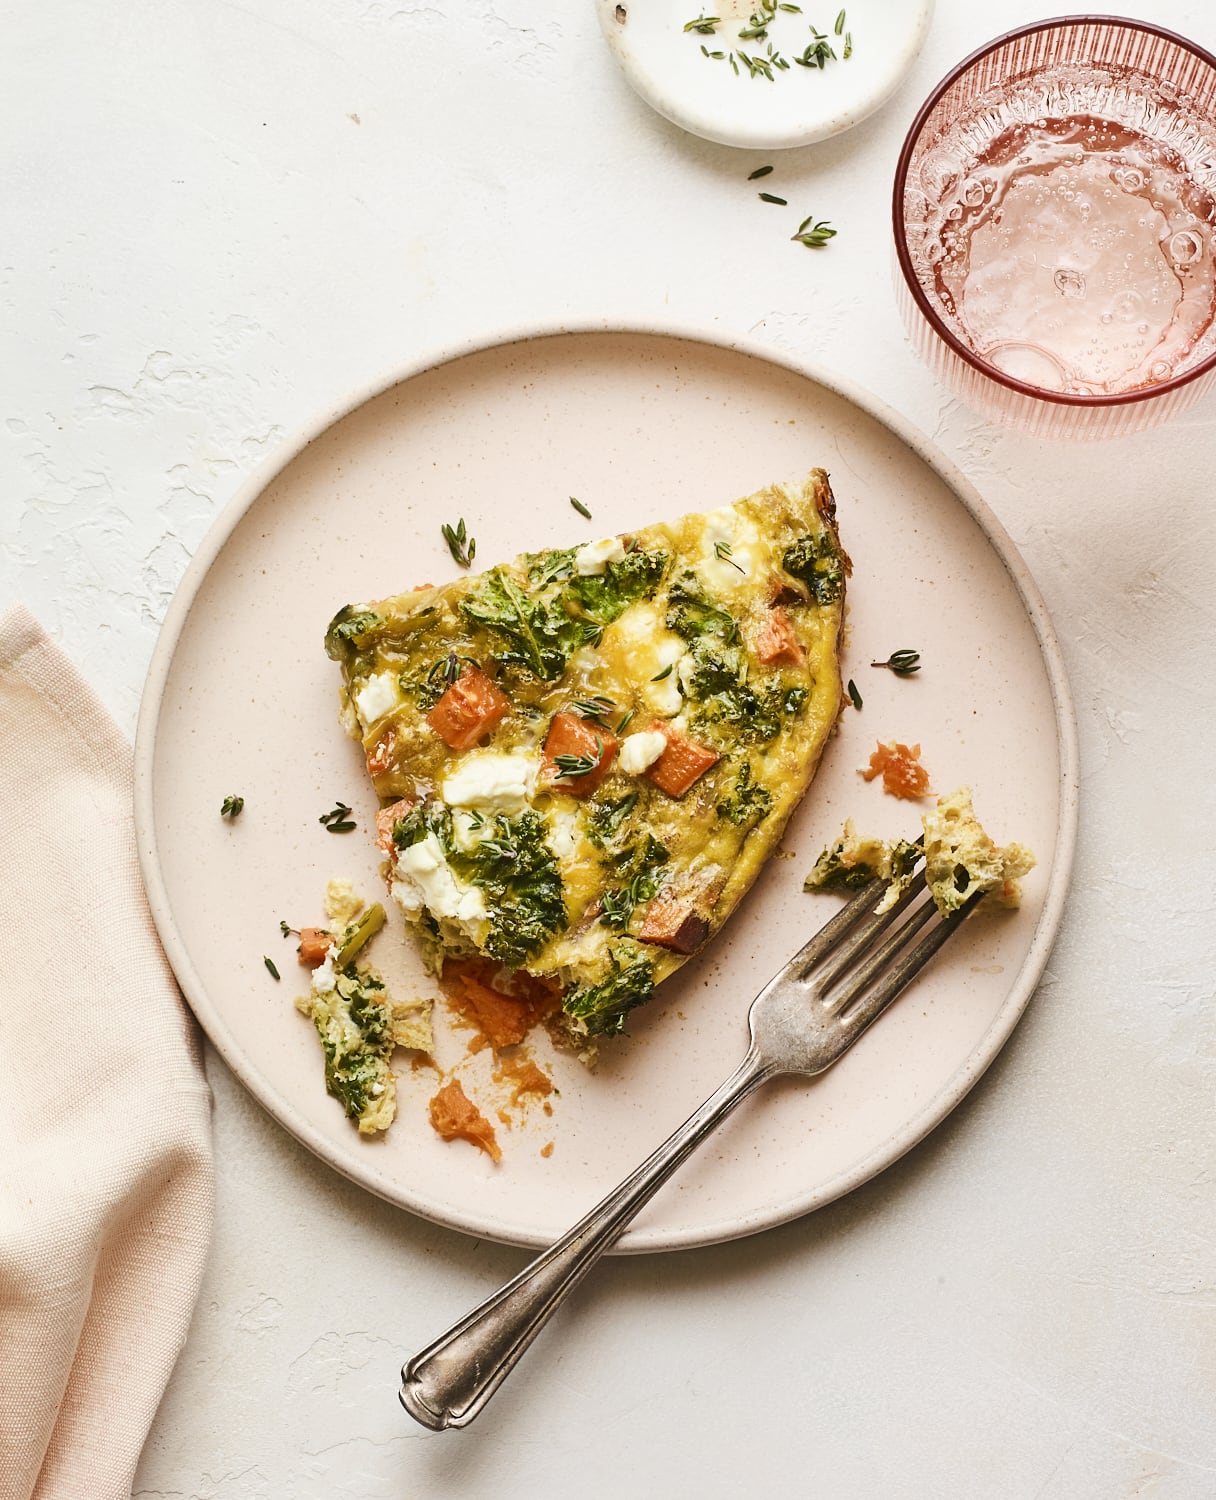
(806, 1016)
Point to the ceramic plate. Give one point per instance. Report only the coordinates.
(764, 105)
(639, 425)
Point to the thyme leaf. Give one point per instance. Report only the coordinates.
(338, 819)
(759, 172)
(231, 807)
(854, 694)
(580, 507)
(703, 24)
(578, 765)
(270, 965)
(593, 709)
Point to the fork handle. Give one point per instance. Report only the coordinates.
(449, 1382)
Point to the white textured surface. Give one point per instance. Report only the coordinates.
(222, 220)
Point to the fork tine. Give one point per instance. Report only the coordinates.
(905, 969)
(864, 933)
(841, 980)
(834, 930)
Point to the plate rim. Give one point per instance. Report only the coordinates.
(993, 1040)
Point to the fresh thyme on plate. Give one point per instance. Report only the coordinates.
(338, 819)
(902, 663)
(461, 545)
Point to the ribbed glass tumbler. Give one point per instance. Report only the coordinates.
(1055, 227)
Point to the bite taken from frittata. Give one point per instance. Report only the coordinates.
(585, 756)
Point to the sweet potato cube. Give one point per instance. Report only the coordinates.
(578, 755)
(456, 1117)
(776, 640)
(315, 943)
(682, 763)
(673, 922)
(380, 754)
(468, 710)
(385, 819)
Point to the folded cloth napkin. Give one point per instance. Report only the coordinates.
(105, 1123)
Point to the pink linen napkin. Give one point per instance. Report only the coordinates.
(105, 1129)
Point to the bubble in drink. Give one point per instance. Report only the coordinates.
(1077, 251)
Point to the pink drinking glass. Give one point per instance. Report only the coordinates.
(1069, 95)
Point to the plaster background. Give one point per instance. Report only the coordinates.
(222, 219)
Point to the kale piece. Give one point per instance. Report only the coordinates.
(816, 561)
(746, 802)
(537, 635)
(606, 596)
(602, 1007)
(640, 869)
(522, 886)
(692, 612)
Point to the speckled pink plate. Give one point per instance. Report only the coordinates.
(639, 425)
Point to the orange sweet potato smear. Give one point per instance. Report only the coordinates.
(682, 763)
(571, 735)
(457, 1118)
(468, 710)
(502, 1020)
(776, 640)
(524, 1077)
(900, 768)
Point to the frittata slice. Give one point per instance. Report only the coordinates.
(585, 756)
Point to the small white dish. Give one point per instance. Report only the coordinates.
(723, 100)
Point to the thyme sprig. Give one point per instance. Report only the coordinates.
(704, 25)
(594, 709)
(231, 807)
(813, 235)
(288, 931)
(461, 545)
(723, 550)
(447, 669)
(569, 766)
(902, 663)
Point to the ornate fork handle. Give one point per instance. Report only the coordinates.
(449, 1382)
(808, 1015)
